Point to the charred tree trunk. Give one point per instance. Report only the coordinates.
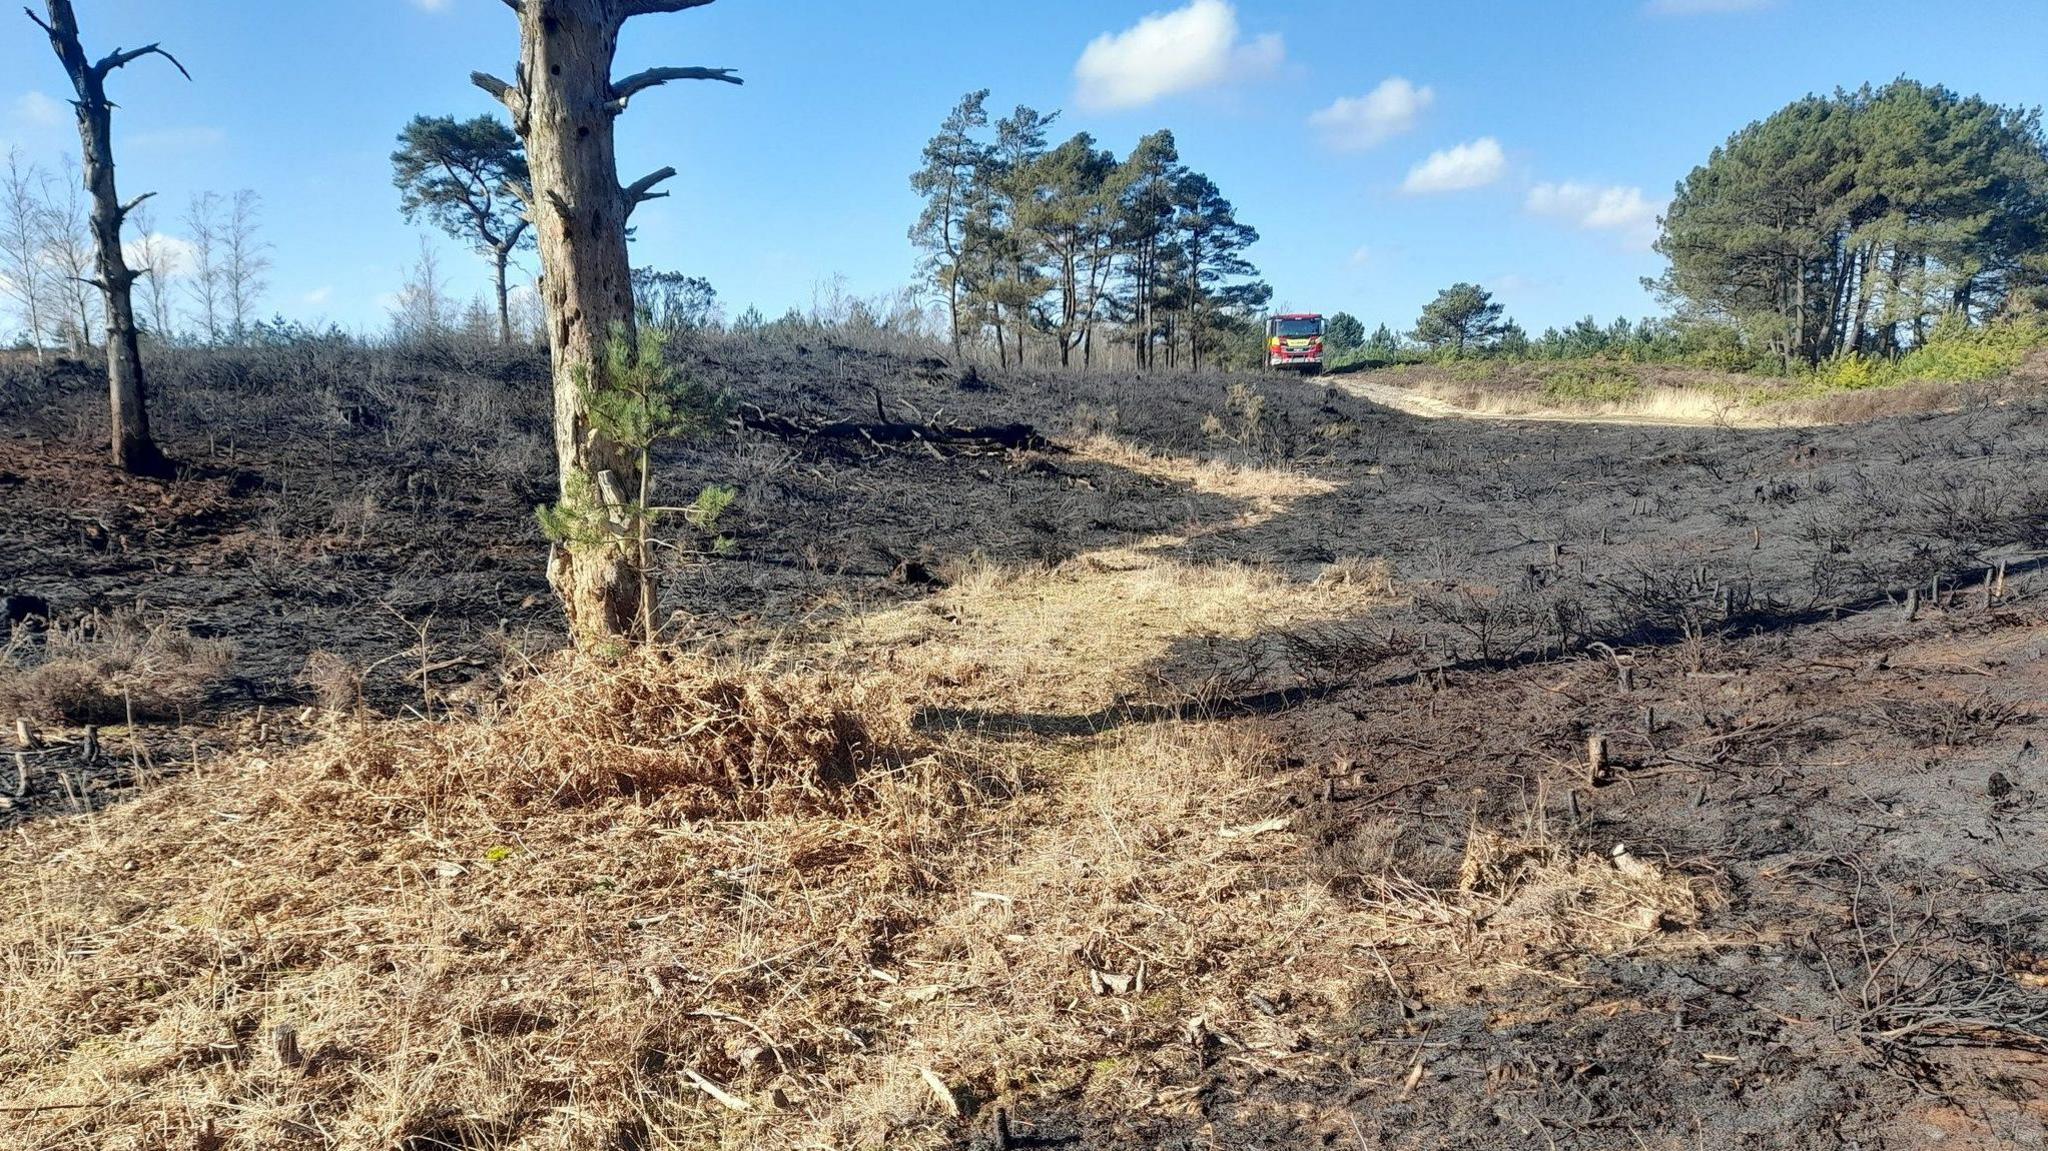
(128, 390)
(563, 104)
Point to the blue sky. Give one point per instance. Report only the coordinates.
(1385, 149)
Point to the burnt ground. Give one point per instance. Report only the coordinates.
(1863, 793)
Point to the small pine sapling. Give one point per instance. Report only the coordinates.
(642, 400)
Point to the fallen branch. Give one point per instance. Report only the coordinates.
(944, 438)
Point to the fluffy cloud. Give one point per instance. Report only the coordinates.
(1355, 123)
(1168, 53)
(39, 110)
(1703, 7)
(160, 252)
(1473, 165)
(1621, 210)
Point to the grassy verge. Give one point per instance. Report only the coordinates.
(1956, 365)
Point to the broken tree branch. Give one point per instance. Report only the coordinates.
(514, 99)
(632, 8)
(642, 189)
(120, 59)
(624, 90)
(491, 84)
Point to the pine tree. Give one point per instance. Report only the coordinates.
(1854, 222)
(1216, 278)
(1383, 344)
(1344, 333)
(469, 179)
(955, 167)
(1144, 229)
(1064, 216)
(1462, 318)
(1013, 280)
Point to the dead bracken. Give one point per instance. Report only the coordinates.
(650, 725)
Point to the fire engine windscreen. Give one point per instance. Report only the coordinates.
(1297, 329)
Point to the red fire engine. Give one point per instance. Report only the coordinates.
(1295, 342)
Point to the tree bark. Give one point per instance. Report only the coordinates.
(1864, 292)
(563, 105)
(128, 391)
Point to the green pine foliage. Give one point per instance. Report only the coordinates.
(1065, 245)
(1591, 384)
(1344, 333)
(1464, 318)
(1853, 224)
(637, 400)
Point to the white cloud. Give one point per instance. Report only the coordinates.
(1355, 123)
(1622, 210)
(1167, 53)
(1361, 256)
(1467, 166)
(160, 252)
(1703, 7)
(38, 109)
(318, 297)
(430, 5)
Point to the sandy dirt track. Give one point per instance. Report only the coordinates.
(1431, 408)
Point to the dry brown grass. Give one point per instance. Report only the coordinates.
(519, 930)
(1117, 624)
(1372, 574)
(106, 668)
(1262, 492)
(1112, 626)
(566, 925)
(705, 741)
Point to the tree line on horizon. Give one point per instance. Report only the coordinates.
(1859, 226)
(1065, 244)
(203, 284)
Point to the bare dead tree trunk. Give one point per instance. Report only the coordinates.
(563, 101)
(500, 257)
(502, 248)
(134, 450)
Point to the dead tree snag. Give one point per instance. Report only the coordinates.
(134, 450)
